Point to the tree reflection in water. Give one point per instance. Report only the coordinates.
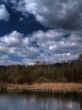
(39, 102)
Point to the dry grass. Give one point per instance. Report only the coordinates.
(46, 87)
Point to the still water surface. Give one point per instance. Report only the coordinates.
(39, 102)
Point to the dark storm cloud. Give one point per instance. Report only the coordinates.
(66, 14)
(11, 20)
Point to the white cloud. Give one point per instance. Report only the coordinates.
(4, 15)
(50, 46)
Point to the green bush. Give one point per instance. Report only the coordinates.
(42, 80)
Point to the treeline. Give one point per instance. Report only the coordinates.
(65, 72)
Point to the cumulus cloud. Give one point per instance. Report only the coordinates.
(66, 14)
(4, 15)
(50, 46)
(56, 45)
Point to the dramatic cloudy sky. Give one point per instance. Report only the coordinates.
(40, 30)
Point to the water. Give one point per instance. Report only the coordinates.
(39, 102)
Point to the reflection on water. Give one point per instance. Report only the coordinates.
(38, 102)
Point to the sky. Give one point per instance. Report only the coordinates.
(40, 30)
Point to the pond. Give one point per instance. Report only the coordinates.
(40, 102)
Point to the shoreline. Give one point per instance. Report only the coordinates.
(63, 88)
